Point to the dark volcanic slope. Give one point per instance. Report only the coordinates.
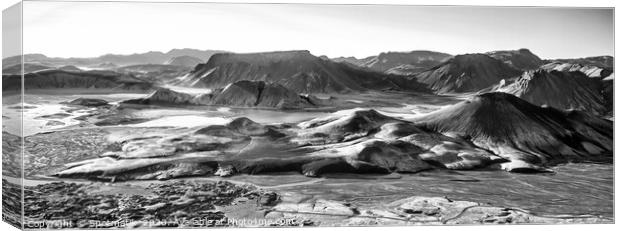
(563, 90)
(522, 59)
(51, 79)
(242, 94)
(524, 133)
(466, 73)
(299, 71)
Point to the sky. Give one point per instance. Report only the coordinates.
(88, 29)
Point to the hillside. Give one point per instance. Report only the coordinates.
(529, 136)
(466, 73)
(562, 90)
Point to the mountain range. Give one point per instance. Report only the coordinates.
(151, 57)
(399, 62)
(557, 83)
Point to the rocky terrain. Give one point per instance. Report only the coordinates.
(466, 73)
(299, 71)
(193, 203)
(416, 210)
(12, 203)
(174, 204)
(11, 151)
(560, 89)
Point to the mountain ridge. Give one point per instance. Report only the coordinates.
(150, 57)
(466, 73)
(297, 70)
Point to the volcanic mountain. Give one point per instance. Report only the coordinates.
(563, 90)
(59, 79)
(528, 135)
(241, 94)
(466, 73)
(184, 61)
(522, 59)
(400, 63)
(299, 71)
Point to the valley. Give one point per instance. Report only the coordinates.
(404, 138)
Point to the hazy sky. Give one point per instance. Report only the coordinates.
(71, 29)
